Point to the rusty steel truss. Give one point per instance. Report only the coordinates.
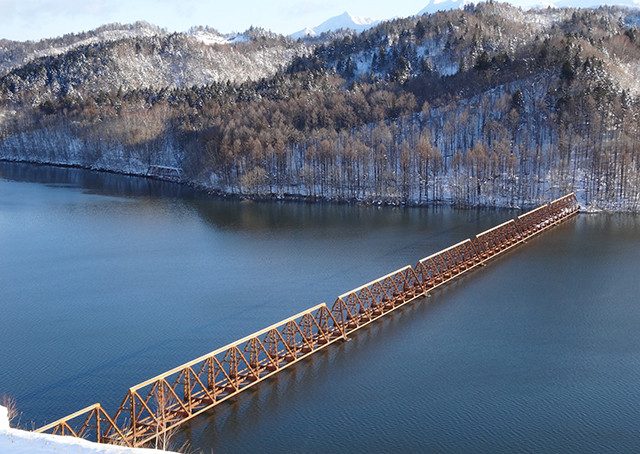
(157, 406)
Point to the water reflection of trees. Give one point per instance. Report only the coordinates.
(237, 214)
(278, 215)
(95, 182)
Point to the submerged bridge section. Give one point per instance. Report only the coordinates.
(152, 408)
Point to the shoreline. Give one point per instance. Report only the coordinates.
(300, 198)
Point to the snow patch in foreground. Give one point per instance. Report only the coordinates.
(17, 441)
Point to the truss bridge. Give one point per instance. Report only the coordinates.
(160, 404)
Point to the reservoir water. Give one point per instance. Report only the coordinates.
(108, 280)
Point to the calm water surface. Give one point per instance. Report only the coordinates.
(106, 281)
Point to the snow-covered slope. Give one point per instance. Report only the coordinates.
(56, 46)
(159, 61)
(344, 21)
(14, 441)
(210, 36)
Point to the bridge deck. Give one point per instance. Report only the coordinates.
(158, 405)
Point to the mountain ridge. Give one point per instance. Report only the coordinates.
(348, 21)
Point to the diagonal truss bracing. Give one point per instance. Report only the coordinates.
(156, 406)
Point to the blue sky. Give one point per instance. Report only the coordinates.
(36, 19)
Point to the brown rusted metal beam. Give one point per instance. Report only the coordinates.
(158, 405)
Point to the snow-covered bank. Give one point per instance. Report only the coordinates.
(15, 441)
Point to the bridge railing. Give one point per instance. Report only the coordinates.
(371, 301)
(156, 406)
(95, 421)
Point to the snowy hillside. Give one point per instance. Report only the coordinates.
(14, 441)
(484, 105)
(114, 60)
(13, 54)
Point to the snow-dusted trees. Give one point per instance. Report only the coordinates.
(483, 106)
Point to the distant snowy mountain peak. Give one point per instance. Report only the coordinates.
(308, 31)
(444, 5)
(345, 20)
(358, 20)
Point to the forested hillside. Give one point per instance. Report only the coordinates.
(487, 106)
